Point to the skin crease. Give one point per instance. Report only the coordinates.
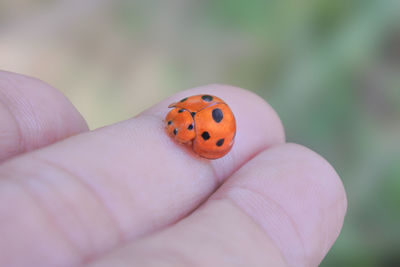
(129, 194)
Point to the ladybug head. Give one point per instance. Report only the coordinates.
(180, 125)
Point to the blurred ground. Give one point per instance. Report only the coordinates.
(330, 68)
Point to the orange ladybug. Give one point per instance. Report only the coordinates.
(204, 122)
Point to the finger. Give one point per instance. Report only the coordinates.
(102, 188)
(285, 207)
(33, 115)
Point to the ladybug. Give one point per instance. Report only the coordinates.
(205, 123)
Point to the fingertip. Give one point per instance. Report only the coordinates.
(261, 111)
(296, 196)
(35, 114)
(45, 99)
(258, 125)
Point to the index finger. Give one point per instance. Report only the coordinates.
(123, 181)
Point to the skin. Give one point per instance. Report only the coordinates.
(128, 195)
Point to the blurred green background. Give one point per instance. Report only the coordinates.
(331, 69)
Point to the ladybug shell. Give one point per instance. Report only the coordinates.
(205, 122)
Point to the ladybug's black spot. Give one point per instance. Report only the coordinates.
(190, 127)
(220, 142)
(205, 136)
(217, 115)
(207, 98)
(193, 113)
(183, 100)
(175, 131)
(169, 122)
(181, 110)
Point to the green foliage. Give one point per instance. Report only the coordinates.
(321, 65)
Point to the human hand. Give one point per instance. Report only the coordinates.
(128, 195)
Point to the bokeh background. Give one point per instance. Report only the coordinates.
(331, 69)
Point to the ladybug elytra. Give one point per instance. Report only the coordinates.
(203, 121)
